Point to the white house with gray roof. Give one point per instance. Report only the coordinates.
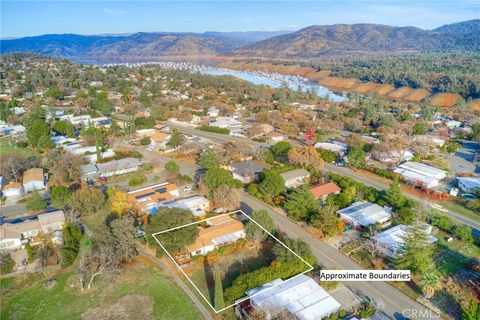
(362, 214)
(295, 178)
(246, 171)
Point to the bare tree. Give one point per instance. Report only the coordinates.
(101, 259)
(125, 236)
(226, 198)
(64, 167)
(12, 166)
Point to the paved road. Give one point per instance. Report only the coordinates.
(389, 299)
(337, 169)
(378, 185)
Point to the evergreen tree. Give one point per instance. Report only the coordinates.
(301, 204)
(416, 253)
(272, 183)
(176, 139)
(394, 195)
(208, 159)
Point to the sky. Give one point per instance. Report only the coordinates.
(28, 18)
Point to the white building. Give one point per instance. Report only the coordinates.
(33, 179)
(333, 147)
(420, 174)
(468, 184)
(83, 120)
(117, 167)
(295, 178)
(300, 295)
(390, 242)
(198, 205)
(13, 189)
(225, 122)
(14, 235)
(363, 214)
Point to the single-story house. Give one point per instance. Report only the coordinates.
(469, 184)
(89, 171)
(275, 136)
(301, 296)
(420, 174)
(198, 205)
(102, 122)
(149, 198)
(33, 179)
(117, 167)
(225, 122)
(246, 171)
(362, 214)
(13, 189)
(83, 120)
(390, 242)
(295, 178)
(216, 236)
(323, 190)
(15, 234)
(144, 133)
(333, 147)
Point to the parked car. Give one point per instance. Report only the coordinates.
(188, 188)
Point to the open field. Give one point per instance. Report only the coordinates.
(445, 99)
(400, 93)
(140, 291)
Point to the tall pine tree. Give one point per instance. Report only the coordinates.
(417, 252)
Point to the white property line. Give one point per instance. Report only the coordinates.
(193, 284)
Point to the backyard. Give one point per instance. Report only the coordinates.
(232, 260)
(141, 290)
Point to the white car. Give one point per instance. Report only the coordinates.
(187, 188)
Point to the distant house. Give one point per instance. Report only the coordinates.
(295, 178)
(144, 133)
(301, 296)
(275, 137)
(89, 171)
(117, 167)
(150, 198)
(246, 171)
(390, 242)
(323, 190)
(469, 184)
(420, 174)
(33, 179)
(13, 189)
(216, 236)
(362, 214)
(102, 122)
(225, 122)
(14, 235)
(198, 205)
(333, 147)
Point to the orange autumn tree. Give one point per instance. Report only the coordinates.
(305, 156)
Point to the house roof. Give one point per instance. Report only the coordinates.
(193, 203)
(247, 168)
(300, 295)
(51, 217)
(323, 189)
(422, 169)
(294, 174)
(393, 237)
(218, 220)
(470, 183)
(13, 185)
(364, 214)
(34, 174)
(207, 236)
(145, 197)
(125, 163)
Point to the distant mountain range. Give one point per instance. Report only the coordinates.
(310, 42)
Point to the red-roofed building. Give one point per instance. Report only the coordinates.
(323, 190)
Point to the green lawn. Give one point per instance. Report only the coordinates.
(8, 146)
(455, 254)
(460, 209)
(67, 302)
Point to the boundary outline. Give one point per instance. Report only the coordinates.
(193, 284)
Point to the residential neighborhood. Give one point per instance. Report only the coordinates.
(220, 175)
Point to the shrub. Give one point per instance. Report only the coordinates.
(36, 202)
(145, 141)
(214, 129)
(137, 180)
(6, 263)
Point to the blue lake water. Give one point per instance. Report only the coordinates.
(276, 81)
